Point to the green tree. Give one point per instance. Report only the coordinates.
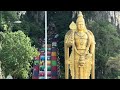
(1, 39)
(62, 20)
(32, 27)
(113, 67)
(7, 18)
(16, 54)
(107, 44)
(32, 24)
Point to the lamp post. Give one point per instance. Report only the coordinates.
(45, 44)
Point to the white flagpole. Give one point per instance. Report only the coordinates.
(45, 44)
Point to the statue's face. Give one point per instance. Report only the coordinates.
(80, 25)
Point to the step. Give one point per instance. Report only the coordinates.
(35, 73)
(54, 49)
(42, 68)
(53, 54)
(36, 58)
(33, 77)
(42, 73)
(42, 77)
(43, 49)
(35, 68)
(54, 73)
(48, 45)
(36, 62)
(43, 53)
(42, 58)
(43, 63)
(54, 77)
(53, 63)
(54, 44)
(53, 57)
(54, 68)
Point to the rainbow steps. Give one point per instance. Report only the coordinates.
(39, 63)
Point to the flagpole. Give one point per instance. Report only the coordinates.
(45, 44)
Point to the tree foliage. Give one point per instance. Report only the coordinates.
(7, 18)
(33, 27)
(107, 44)
(16, 54)
(62, 20)
(113, 67)
(30, 25)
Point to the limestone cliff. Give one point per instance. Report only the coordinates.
(111, 16)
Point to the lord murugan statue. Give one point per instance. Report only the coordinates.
(79, 47)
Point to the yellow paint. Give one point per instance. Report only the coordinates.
(81, 60)
(53, 54)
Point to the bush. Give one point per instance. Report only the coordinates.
(16, 54)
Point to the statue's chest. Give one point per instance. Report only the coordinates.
(81, 38)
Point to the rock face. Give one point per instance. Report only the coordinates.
(20, 13)
(0, 71)
(111, 16)
(114, 16)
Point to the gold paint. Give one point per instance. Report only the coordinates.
(81, 60)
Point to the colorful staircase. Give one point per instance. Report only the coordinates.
(53, 63)
(42, 62)
(36, 68)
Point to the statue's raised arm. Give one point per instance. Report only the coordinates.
(69, 42)
(81, 60)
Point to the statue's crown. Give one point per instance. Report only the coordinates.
(80, 14)
(80, 17)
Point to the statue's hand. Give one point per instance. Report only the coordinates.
(72, 41)
(69, 38)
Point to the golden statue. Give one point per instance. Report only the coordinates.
(81, 59)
